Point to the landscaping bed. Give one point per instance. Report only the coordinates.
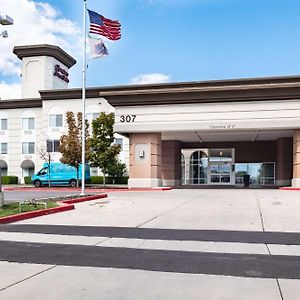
(14, 208)
(11, 212)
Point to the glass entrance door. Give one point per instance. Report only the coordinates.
(220, 173)
(220, 166)
(208, 166)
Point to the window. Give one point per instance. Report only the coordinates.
(56, 120)
(260, 173)
(28, 123)
(3, 124)
(91, 116)
(28, 148)
(119, 142)
(3, 148)
(198, 167)
(52, 145)
(3, 171)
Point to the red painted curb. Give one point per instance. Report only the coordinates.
(63, 206)
(90, 189)
(88, 198)
(288, 188)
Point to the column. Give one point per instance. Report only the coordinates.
(171, 163)
(284, 161)
(145, 160)
(296, 159)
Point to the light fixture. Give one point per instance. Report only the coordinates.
(6, 20)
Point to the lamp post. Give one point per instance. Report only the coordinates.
(4, 20)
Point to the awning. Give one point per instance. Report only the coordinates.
(27, 164)
(3, 164)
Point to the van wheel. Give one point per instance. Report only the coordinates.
(37, 183)
(73, 183)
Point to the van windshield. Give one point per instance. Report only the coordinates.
(43, 171)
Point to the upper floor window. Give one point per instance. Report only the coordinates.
(28, 123)
(28, 148)
(119, 142)
(3, 124)
(56, 120)
(91, 116)
(52, 145)
(3, 148)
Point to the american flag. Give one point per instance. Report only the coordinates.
(103, 26)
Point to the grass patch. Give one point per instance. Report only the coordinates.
(13, 208)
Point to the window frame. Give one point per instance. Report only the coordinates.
(28, 148)
(2, 122)
(52, 145)
(56, 121)
(1, 148)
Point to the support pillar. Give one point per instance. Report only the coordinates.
(145, 160)
(296, 159)
(171, 163)
(284, 161)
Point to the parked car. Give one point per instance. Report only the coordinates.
(60, 174)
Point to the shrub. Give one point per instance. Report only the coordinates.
(96, 180)
(122, 180)
(27, 180)
(109, 180)
(9, 180)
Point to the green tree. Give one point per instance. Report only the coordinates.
(103, 151)
(116, 169)
(71, 143)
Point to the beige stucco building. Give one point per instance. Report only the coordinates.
(211, 132)
(193, 133)
(38, 119)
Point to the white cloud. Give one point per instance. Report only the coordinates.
(35, 23)
(150, 78)
(10, 91)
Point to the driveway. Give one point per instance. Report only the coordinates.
(178, 244)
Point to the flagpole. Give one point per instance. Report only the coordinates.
(83, 100)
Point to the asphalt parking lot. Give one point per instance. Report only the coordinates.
(178, 244)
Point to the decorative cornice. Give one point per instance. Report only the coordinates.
(257, 89)
(21, 103)
(45, 50)
(236, 90)
(61, 94)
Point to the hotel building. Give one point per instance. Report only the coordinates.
(175, 134)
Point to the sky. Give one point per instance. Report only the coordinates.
(162, 40)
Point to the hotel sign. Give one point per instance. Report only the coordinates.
(61, 73)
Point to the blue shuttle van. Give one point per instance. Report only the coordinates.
(60, 174)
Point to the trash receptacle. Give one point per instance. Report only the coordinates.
(246, 180)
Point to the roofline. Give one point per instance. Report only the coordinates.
(21, 103)
(231, 90)
(45, 50)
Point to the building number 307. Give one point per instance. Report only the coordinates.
(127, 118)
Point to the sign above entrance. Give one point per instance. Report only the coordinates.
(227, 126)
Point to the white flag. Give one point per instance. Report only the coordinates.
(97, 48)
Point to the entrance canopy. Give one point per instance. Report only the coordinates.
(27, 164)
(3, 164)
(258, 119)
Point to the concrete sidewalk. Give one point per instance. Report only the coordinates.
(220, 244)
